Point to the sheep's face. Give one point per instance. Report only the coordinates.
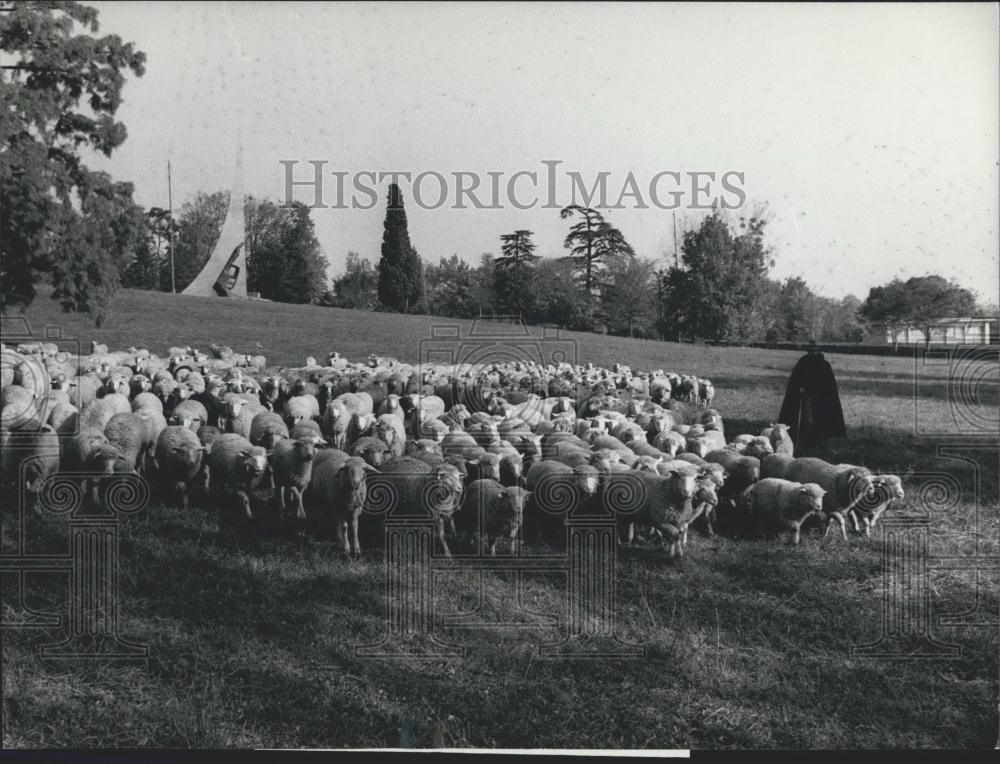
(255, 463)
(233, 407)
(586, 479)
(647, 464)
(686, 483)
(810, 501)
(705, 492)
(305, 449)
(763, 445)
(373, 455)
(385, 432)
(891, 485)
(489, 467)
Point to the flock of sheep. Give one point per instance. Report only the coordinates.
(506, 450)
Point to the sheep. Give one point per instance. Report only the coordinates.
(291, 466)
(127, 433)
(147, 401)
(340, 488)
(663, 502)
(334, 423)
(783, 504)
(497, 511)
(557, 491)
(266, 429)
(741, 473)
(485, 466)
(236, 468)
(389, 429)
(300, 407)
(360, 426)
(706, 392)
(33, 462)
(307, 429)
(780, 439)
(178, 458)
(759, 448)
(845, 486)
(409, 487)
(239, 415)
(192, 412)
(372, 450)
(885, 490)
(710, 440)
(775, 465)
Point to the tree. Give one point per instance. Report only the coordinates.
(560, 301)
(593, 242)
(514, 277)
(451, 288)
(284, 258)
(483, 283)
(723, 279)
(798, 311)
(357, 287)
(400, 271)
(919, 301)
(628, 297)
(56, 215)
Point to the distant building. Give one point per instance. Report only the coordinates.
(946, 331)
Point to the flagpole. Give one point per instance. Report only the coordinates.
(170, 205)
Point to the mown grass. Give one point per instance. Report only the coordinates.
(748, 643)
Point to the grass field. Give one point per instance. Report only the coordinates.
(747, 644)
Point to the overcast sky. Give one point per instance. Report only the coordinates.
(871, 132)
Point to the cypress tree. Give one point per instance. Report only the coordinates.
(400, 272)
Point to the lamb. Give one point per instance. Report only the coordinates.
(236, 468)
(498, 512)
(845, 486)
(784, 505)
(780, 439)
(291, 466)
(178, 458)
(340, 488)
(885, 490)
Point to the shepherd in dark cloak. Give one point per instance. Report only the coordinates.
(812, 404)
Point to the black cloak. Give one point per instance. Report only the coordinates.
(812, 405)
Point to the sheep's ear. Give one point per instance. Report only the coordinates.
(803, 489)
(369, 468)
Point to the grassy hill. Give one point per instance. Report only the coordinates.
(748, 643)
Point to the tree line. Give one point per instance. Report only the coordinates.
(82, 231)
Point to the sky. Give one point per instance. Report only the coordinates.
(871, 133)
